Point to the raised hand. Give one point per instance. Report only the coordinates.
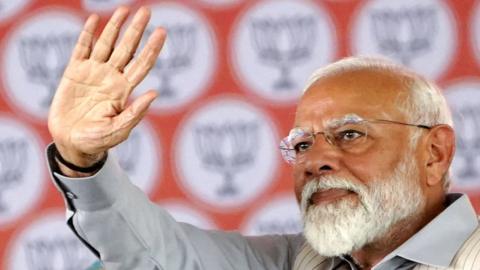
(90, 111)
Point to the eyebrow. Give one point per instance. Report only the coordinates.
(347, 119)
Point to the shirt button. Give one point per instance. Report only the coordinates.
(70, 195)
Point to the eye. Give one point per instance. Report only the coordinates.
(349, 135)
(302, 147)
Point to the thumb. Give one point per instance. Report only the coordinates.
(131, 116)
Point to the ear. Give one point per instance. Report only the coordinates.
(441, 148)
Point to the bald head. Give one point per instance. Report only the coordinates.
(381, 91)
(422, 102)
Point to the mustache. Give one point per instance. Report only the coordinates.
(329, 182)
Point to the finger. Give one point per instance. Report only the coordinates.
(131, 116)
(140, 66)
(104, 46)
(83, 47)
(130, 40)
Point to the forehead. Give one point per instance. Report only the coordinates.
(370, 94)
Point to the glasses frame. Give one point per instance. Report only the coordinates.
(286, 157)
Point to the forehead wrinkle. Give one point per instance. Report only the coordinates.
(338, 121)
(314, 108)
(349, 118)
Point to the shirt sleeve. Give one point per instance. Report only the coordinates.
(126, 230)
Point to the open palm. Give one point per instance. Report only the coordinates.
(90, 111)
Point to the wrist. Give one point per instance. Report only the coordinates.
(90, 164)
(76, 158)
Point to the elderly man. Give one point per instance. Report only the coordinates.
(371, 150)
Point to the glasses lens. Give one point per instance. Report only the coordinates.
(297, 142)
(350, 137)
(288, 153)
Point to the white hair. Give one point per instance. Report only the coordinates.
(424, 104)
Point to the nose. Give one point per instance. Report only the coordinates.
(320, 160)
(323, 158)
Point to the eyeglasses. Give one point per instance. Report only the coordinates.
(350, 135)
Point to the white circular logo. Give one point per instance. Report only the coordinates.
(21, 170)
(181, 212)
(279, 216)
(476, 30)
(34, 59)
(278, 44)
(140, 156)
(186, 64)
(48, 243)
(9, 8)
(419, 34)
(103, 5)
(226, 153)
(464, 101)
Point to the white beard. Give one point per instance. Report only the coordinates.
(345, 225)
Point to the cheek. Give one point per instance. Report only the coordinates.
(378, 163)
(299, 182)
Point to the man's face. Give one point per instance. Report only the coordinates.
(369, 95)
(370, 174)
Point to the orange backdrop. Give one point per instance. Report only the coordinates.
(229, 78)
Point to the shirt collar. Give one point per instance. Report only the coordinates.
(437, 243)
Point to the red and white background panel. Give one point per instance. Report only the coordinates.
(228, 78)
